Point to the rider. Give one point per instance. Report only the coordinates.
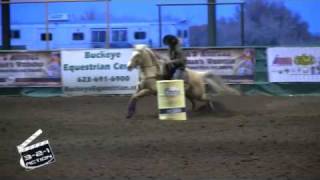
(177, 64)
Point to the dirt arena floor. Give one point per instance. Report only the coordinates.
(256, 137)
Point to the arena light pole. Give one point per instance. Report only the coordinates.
(242, 19)
(47, 25)
(6, 42)
(160, 24)
(108, 14)
(212, 23)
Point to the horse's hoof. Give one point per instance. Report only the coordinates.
(211, 106)
(129, 116)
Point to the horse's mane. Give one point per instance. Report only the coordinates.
(146, 52)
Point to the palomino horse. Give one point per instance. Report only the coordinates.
(153, 67)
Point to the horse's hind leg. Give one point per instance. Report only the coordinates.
(214, 106)
(133, 101)
(209, 102)
(193, 102)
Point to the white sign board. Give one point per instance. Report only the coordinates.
(294, 64)
(103, 71)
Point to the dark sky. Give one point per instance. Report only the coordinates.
(147, 10)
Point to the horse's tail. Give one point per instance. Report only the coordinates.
(216, 85)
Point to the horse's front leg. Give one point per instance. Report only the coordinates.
(133, 100)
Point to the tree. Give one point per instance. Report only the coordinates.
(198, 36)
(266, 23)
(272, 23)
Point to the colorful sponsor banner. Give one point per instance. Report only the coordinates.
(294, 64)
(102, 71)
(30, 69)
(235, 65)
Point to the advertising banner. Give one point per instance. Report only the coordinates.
(30, 69)
(235, 65)
(294, 64)
(102, 71)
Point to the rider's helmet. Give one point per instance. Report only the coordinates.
(170, 40)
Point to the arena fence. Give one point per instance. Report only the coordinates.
(260, 84)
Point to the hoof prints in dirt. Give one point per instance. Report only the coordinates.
(93, 140)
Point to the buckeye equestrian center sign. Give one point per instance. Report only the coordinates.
(102, 71)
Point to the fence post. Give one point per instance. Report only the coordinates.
(212, 23)
(6, 42)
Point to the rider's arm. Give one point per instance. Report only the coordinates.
(179, 58)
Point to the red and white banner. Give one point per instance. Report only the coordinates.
(294, 64)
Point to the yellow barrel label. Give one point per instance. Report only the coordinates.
(171, 100)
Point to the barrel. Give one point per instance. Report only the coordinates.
(171, 100)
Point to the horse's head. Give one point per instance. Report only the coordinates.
(140, 57)
(134, 61)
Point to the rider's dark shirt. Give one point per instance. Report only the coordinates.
(177, 57)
